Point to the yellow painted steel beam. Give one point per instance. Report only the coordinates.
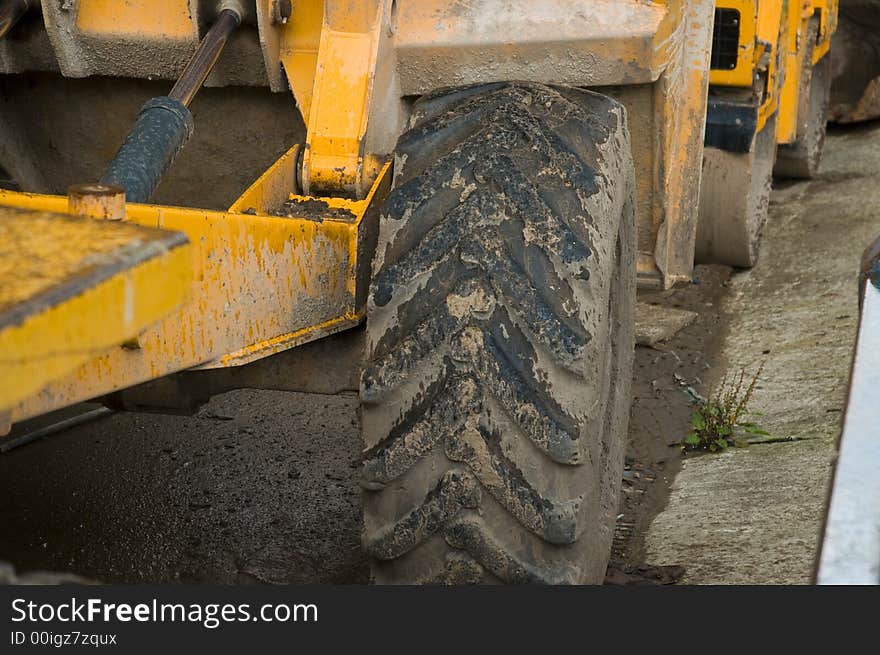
(295, 45)
(774, 30)
(71, 288)
(801, 13)
(797, 22)
(275, 271)
(328, 51)
(679, 98)
(335, 160)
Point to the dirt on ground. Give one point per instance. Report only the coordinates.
(259, 487)
(668, 380)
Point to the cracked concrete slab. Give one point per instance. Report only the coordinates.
(658, 323)
(753, 516)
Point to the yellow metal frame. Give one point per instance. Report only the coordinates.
(71, 288)
(259, 284)
(329, 52)
(679, 102)
(828, 17)
(798, 26)
(744, 73)
(781, 27)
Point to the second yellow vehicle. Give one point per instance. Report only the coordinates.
(768, 101)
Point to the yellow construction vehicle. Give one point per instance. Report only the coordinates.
(768, 103)
(453, 203)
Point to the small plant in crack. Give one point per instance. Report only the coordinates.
(718, 422)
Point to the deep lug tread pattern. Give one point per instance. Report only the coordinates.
(495, 394)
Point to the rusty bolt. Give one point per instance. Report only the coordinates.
(281, 11)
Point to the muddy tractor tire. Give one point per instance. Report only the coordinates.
(495, 396)
(855, 63)
(735, 200)
(800, 160)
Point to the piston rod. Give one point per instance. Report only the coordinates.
(11, 12)
(200, 66)
(165, 123)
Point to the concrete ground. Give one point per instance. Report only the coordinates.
(260, 487)
(753, 515)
